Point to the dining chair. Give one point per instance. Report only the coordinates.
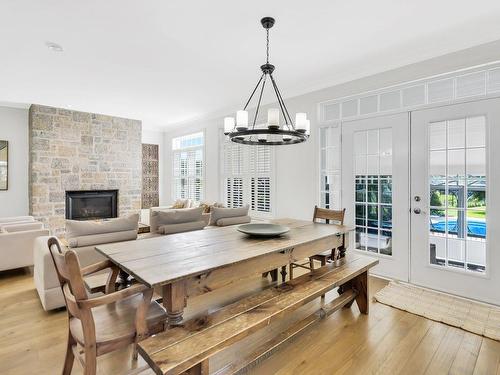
(104, 322)
(329, 217)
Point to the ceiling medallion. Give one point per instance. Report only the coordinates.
(273, 134)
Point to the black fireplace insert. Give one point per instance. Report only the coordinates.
(91, 204)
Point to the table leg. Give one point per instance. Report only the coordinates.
(360, 283)
(174, 301)
(283, 274)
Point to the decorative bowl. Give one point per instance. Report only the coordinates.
(263, 230)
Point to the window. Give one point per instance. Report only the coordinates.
(187, 168)
(457, 193)
(373, 190)
(330, 167)
(247, 176)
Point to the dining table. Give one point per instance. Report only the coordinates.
(185, 265)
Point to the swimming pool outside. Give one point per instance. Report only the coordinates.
(475, 227)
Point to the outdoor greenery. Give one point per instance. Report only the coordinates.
(476, 203)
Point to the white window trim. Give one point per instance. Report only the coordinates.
(246, 175)
(173, 152)
(489, 72)
(323, 171)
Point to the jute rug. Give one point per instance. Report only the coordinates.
(476, 317)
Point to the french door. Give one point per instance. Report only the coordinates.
(455, 199)
(375, 190)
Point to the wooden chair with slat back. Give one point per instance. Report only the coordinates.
(106, 322)
(329, 217)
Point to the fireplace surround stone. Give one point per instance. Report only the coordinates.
(71, 150)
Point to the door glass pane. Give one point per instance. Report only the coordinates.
(437, 136)
(457, 187)
(456, 133)
(476, 132)
(373, 190)
(360, 188)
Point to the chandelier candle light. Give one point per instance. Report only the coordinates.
(239, 131)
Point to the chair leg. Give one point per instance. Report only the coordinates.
(90, 360)
(291, 271)
(70, 356)
(311, 263)
(135, 352)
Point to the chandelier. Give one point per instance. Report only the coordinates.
(272, 133)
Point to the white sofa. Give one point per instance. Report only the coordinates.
(17, 236)
(83, 237)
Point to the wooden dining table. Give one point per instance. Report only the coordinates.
(188, 264)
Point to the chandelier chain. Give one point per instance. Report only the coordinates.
(267, 42)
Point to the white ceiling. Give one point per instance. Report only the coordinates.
(166, 62)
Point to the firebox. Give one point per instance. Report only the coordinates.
(91, 204)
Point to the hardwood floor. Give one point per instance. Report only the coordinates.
(388, 341)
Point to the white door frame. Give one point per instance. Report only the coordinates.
(483, 287)
(397, 265)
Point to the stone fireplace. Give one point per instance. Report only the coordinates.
(91, 204)
(75, 151)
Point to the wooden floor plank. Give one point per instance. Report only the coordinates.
(423, 354)
(350, 339)
(467, 354)
(375, 350)
(488, 360)
(399, 356)
(446, 353)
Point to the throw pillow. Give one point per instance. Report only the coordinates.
(179, 203)
(184, 215)
(207, 206)
(76, 228)
(217, 213)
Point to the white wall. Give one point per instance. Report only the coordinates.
(297, 185)
(14, 128)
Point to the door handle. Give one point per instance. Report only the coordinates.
(418, 211)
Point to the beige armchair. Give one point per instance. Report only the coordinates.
(17, 236)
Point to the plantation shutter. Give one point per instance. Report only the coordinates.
(247, 176)
(188, 167)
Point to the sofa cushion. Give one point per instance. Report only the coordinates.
(182, 227)
(16, 219)
(233, 220)
(185, 215)
(102, 238)
(75, 228)
(21, 227)
(217, 213)
(172, 216)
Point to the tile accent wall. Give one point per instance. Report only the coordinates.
(72, 150)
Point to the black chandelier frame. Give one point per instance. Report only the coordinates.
(250, 136)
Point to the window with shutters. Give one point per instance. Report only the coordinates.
(188, 168)
(247, 176)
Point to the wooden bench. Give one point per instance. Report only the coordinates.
(188, 347)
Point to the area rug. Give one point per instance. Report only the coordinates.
(475, 317)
